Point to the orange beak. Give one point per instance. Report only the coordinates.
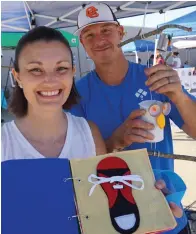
(161, 121)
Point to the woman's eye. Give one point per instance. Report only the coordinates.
(62, 69)
(35, 70)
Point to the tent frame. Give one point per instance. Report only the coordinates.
(31, 16)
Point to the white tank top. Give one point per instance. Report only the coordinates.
(79, 141)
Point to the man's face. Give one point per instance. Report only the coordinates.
(101, 41)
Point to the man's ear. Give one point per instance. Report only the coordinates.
(16, 77)
(81, 41)
(121, 31)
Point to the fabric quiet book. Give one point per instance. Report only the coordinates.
(115, 193)
(35, 198)
(106, 194)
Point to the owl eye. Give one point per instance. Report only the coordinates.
(166, 108)
(155, 110)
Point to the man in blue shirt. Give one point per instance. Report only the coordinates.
(110, 94)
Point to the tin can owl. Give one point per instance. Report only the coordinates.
(155, 114)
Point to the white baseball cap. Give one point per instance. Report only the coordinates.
(95, 13)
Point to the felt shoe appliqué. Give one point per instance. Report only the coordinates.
(114, 176)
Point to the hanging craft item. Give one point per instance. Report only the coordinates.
(169, 39)
(162, 44)
(117, 194)
(155, 114)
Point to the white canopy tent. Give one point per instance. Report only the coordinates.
(185, 44)
(24, 15)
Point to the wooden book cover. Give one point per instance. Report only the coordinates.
(115, 193)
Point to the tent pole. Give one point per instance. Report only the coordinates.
(69, 21)
(189, 55)
(136, 56)
(140, 10)
(79, 62)
(155, 52)
(50, 23)
(186, 56)
(13, 19)
(27, 15)
(126, 4)
(71, 12)
(173, 6)
(45, 16)
(28, 7)
(16, 28)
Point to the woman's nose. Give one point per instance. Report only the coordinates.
(50, 76)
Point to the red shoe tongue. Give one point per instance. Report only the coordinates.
(127, 191)
(110, 191)
(114, 166)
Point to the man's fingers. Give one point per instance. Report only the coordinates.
(134, 129)
(167, 88)
(161, 185)
(149, 71)
(159, 75)
(129, 139)
(136, 113)
(140, 132)
(176, 210)
(159, 84)
(138, 123)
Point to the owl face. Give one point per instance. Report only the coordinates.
(159, 111)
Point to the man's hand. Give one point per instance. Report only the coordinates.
(164, 80)
(132, 130)
(176, 210)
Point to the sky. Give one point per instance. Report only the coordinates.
(160, 18)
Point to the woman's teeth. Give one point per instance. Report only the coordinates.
(49, 93)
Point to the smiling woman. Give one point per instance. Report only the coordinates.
(33, 59)
(44, 74)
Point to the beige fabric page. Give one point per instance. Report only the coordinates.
(155, 213)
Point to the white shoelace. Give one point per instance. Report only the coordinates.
(123, 179)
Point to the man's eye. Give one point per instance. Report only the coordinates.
(90, 35)
(106, 30)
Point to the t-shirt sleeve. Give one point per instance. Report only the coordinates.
(175, 115)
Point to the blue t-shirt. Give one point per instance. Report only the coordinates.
(109, 106)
